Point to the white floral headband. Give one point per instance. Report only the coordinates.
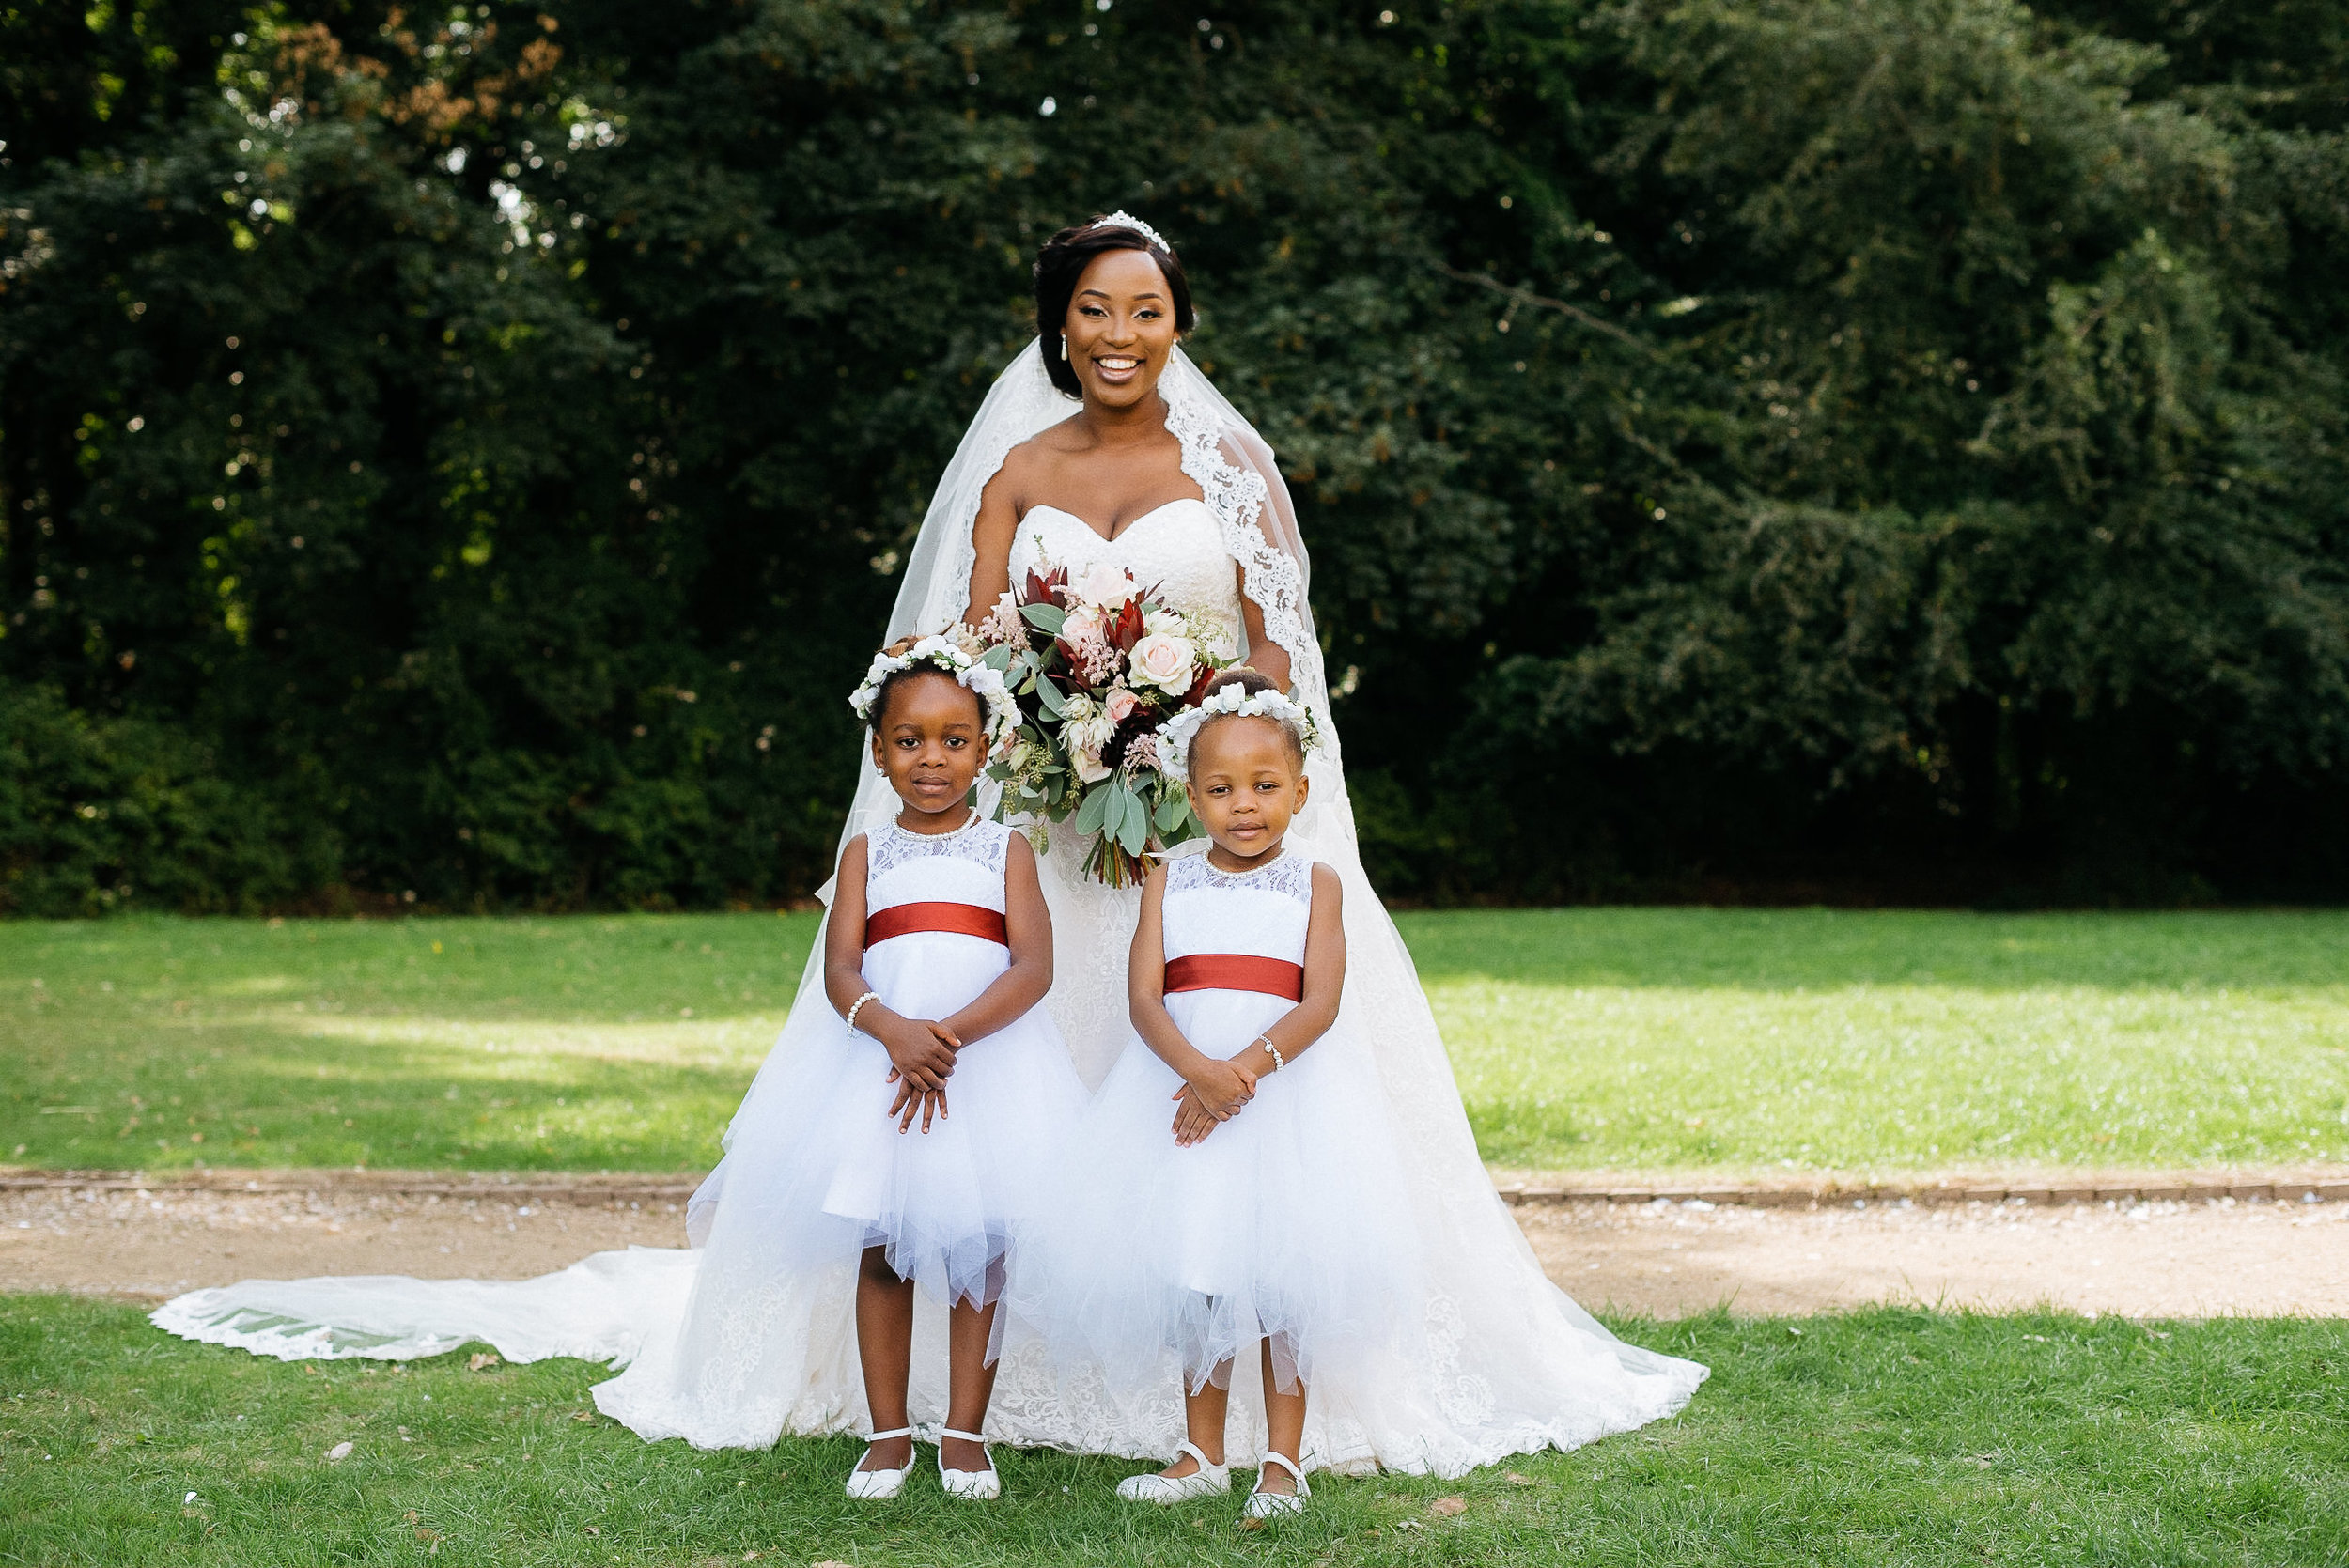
(1231, 701)
(942, 653)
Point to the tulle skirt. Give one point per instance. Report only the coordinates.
(946, 1203)
(1284, 1227)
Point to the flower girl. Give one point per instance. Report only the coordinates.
(1233, 1184)
(954, 1085)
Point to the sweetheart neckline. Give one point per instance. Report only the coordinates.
(1112, 539)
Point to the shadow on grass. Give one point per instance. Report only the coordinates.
(276, 1096)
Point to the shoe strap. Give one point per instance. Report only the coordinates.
(966, 1437)
(871, 1437)
(1274, 1456)
(1198, 1453)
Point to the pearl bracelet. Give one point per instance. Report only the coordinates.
(857, 1007)
(1279, 1061)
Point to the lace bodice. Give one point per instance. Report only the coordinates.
(1292, 874)
(1263, 911)
(965, 866)
(1177, 547)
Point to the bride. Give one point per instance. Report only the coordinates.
(1100, 444)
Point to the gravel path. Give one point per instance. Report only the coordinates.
(2160, 1258)
(2201, 1259)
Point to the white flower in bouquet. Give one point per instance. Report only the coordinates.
(1166, 661)
(1088, 764)
(1088, 734)
(1103, 584)
(1164, 622)
(1077, 704)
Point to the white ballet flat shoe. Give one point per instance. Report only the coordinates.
(1275, 1505)
(977, 1485)
(1206, 1480)
(880, 1485)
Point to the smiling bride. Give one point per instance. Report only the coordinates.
(1100, 444)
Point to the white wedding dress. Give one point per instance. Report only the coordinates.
(724, 1347)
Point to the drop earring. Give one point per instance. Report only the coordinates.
(1063, 345)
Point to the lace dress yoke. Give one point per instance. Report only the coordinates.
(890, 847)
(1291, 874)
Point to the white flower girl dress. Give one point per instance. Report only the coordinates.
(1287, 1224)
(945, 1202)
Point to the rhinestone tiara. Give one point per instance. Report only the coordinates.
(1121, 219)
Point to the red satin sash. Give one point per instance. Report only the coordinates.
(962, 920)
(1236, 971)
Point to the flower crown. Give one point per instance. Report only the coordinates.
(939, 652)
(1121, 219)
(1231, 701)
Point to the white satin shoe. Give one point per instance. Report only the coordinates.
(1274, 1505)
(880, 1485)
(1206, 1480)
(977, 1485)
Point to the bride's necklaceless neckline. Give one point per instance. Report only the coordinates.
(1112, 539)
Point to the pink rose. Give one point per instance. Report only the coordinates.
(1103, 584)
(1121, 703)
(1165, 661)
(1088, 766)
(1083, 626)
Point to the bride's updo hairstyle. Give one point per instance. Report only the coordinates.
(1063, 261)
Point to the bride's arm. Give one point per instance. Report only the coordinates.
(991, 536)
(1264, 656)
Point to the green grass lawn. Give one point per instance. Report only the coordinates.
(1739, 1041)
(1884, 1436)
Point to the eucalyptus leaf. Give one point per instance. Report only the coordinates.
(1047, 618)
(1172, 809)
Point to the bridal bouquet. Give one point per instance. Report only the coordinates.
(1098, 665)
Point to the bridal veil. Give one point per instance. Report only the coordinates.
(726, 1348)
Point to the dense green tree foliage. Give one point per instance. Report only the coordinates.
(1889, 445)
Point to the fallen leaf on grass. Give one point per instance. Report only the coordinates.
(1251, 1523)
(583, 1415)
(339, 1453)
(1406, 1524)
(1516, 1480)
(595, 1530)
(480, 1361)
(1444, 1508)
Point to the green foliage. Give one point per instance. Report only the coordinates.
(1892, 1435)
(1887, 443)
(101, 815)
